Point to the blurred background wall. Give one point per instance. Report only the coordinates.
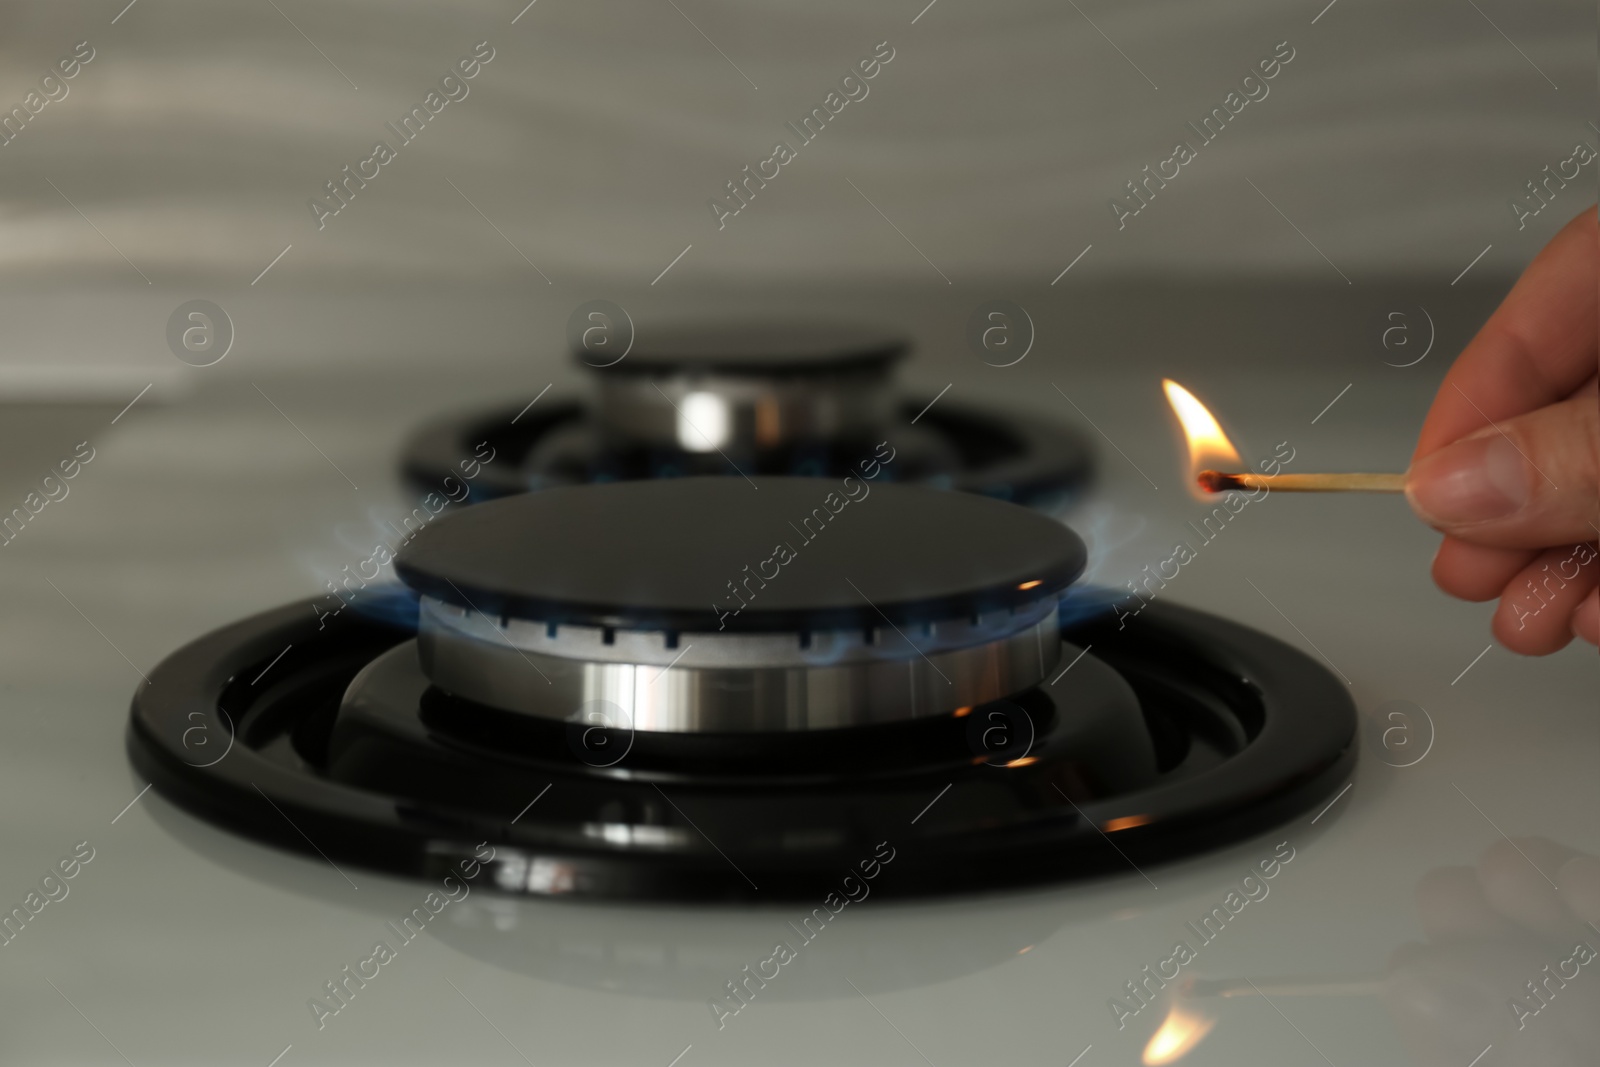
(179, 163)
(182, 158)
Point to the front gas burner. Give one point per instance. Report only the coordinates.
(774, 399)
(712, 689)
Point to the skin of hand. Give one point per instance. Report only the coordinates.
(1506, 466)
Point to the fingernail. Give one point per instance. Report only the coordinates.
(1471, 481)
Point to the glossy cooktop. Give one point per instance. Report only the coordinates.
(1399, 923)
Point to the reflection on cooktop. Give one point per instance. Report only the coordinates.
(1506, 966)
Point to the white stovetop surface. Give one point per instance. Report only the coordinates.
(180, 944)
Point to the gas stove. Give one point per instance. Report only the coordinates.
(1398, 925)
(752, 397)
(716, 688)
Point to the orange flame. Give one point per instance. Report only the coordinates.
(1183, 1029)
(1208, 445)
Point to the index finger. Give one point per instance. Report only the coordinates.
(1537, 348)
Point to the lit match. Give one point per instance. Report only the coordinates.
(1219, 482)
(1209, 444)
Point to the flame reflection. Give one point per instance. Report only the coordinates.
(1208, 445)
(1183, 1029)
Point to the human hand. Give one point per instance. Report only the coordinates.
(1506, 466)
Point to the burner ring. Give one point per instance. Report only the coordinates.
(756, 386)
(748, 398)
(544, 603)
(736, 683)
(1008, 455)
(719, 412)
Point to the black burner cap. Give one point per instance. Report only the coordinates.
(766, 349)
(822, 554)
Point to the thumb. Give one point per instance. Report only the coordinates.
(1527, 482)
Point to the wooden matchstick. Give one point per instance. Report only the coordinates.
(1330, 986)
(1219, 482)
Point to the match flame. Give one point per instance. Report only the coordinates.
(1183, 1029)
(1208, 445)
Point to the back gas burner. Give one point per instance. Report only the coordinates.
(713, 689)
(808, 399)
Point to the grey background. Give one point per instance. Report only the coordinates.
(992, 143)
(593, 140)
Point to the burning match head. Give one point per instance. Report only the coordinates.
(1217, 482)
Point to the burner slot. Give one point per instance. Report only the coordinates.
(737, 683)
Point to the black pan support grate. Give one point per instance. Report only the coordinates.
(1179, 733)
